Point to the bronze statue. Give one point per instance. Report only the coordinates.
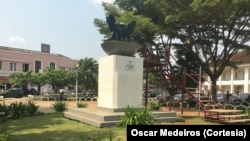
(120, 31)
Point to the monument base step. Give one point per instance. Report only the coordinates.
(102, 118)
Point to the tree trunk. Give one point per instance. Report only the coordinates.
(214, 89)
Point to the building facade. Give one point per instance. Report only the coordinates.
(234, 80)
(14, 60)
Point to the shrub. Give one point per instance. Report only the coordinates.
(154, 105)
(82, 105)
(31, 108)
(17, 110)
(136, 116)
(60, 106)
(4, 112)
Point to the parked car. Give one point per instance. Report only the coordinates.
(220, 97)
(33, 91)
(232, 97)
(241, 97)
(150, 94)
(26, 91)
(13, 93)
(178, 97)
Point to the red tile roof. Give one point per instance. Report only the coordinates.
(241, 58)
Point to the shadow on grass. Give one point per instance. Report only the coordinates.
(57, 128)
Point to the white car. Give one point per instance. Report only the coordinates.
(220, 97)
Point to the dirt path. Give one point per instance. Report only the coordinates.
(45, 106)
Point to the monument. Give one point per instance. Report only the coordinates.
(120, 73)
(120, 81)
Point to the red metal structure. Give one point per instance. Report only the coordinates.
(157, 62)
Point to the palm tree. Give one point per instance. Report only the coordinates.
(88, 73)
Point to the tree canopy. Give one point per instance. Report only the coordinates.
(211, 31)
(88, 73)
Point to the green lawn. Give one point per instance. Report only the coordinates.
(54, 127)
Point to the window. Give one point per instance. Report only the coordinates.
(237, 89)
(236, 75)
(12, 66)
(38, 66)
(52, 65)
(1, 65)
(25, 67)
(223, 76)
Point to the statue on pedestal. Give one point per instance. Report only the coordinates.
(120, 42)
(120, 32)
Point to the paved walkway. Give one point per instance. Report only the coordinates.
(45, 106)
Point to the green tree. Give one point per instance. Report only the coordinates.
(143, 32)
(88, 73)
(20, 79)
(57, 78)
(187, 64)
(211, 31)
(16, 79)
(147, 33)
(38, 79)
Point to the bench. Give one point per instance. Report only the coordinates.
(205, 101)
(234, 116)
(226, 116)
(211, 106)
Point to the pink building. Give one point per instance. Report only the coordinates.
(22, 60)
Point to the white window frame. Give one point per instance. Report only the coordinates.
(1, 65)
(50, 64)
(13, 66)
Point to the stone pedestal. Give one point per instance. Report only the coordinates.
(120, 82)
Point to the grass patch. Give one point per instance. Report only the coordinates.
(57, 128)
